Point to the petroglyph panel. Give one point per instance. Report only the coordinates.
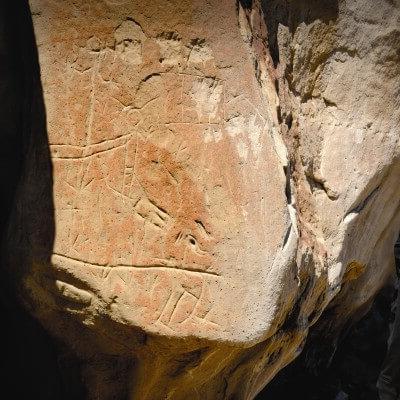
(168, 193)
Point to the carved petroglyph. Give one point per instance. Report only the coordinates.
(170, 294)
(134, 187)
(247, 133)
(175, 53)
(207, 92)
(163, 265)
(200, 52)
(129, 39)
(171, 47)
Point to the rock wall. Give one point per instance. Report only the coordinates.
(220, 173)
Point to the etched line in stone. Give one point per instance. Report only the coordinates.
(175, 306)
(164, 307)
(194, 307)
(88, 150)
(91, 112)
(140, 267)
(168, 267)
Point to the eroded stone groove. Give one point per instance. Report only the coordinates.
(221, 173)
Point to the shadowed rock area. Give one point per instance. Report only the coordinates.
(354, 365)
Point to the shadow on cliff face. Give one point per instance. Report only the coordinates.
(292, 14)
(353, 370)
(29, 362)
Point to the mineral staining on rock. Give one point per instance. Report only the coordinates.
(218, 171)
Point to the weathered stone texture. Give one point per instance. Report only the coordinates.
(221, 173)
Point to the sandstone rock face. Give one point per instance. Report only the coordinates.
(221, 172)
